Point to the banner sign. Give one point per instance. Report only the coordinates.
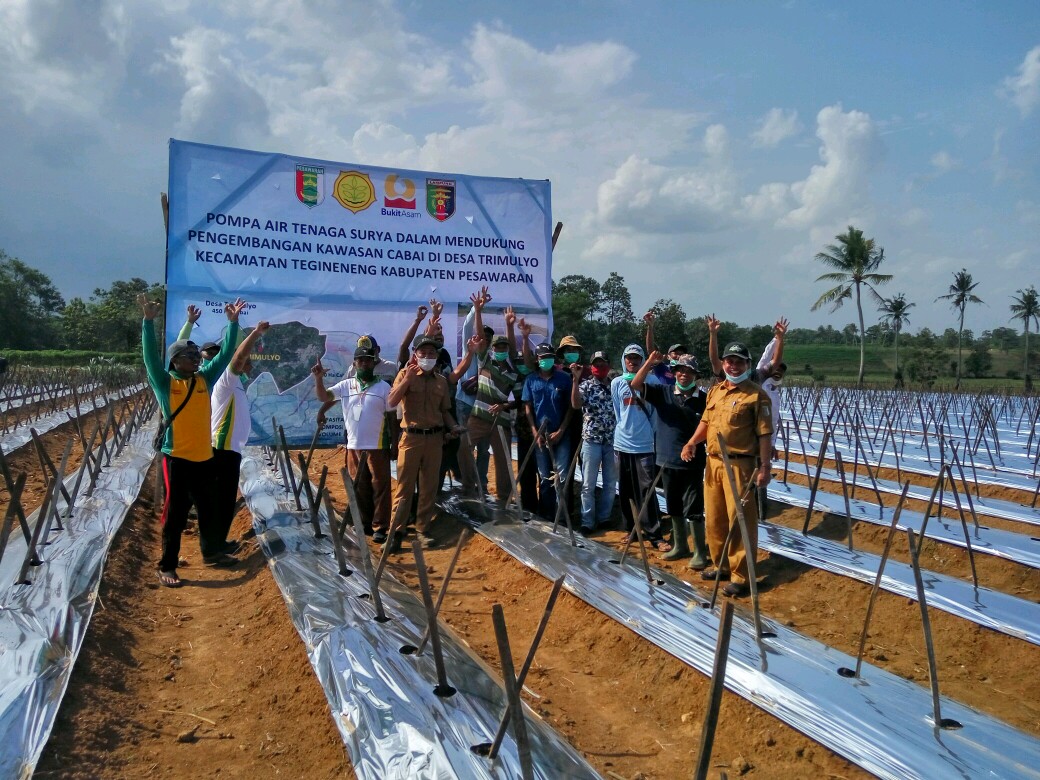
(327, 251)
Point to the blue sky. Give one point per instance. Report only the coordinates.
(706, 151)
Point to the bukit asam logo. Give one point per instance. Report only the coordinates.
(400, 193)
(354, 191)
(310, 185)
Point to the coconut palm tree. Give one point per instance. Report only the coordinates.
(1026, 307)
(960, 296)
(856, 260)
(894, 314)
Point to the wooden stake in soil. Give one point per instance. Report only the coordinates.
(933, 676)
(337, 544)
(522, 677)
(816, 479)
(845, 671)
(845, 494)
(443, 689)
(366, 563)
(463, 538)
(718, 680)
(516, 707)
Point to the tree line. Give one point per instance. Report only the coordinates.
(35, 316)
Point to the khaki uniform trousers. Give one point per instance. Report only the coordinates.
(483, 431)
(373, 489)
(720, 512)
(418, 461)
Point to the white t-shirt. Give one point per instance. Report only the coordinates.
(364, 413)
(229, 413)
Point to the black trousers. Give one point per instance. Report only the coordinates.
(527, 480)
(226, 467)
(189, 482)
(636, 472)
(684, 489)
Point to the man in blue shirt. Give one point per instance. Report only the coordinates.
(547, 398)
(634, 443)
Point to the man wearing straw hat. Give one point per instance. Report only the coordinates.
(740, 412)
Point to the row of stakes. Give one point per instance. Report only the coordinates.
(46, 397)
(513, 718)
(105, 443)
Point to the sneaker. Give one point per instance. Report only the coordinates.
(379, 537)
(221, 560)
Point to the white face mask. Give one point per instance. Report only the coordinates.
(739, 378)
(427, 364)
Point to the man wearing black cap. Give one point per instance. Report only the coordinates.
(546, 398)
(739, 411)
(383, 369)
(679, 408)
(425, 401)
(663, 370)
(183, 392)
(365, 400)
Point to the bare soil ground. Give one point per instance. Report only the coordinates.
(220, 656)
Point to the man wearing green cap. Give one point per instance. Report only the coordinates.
(183, 391)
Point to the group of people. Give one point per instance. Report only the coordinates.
(659, 420)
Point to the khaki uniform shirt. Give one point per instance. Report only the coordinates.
(425, 402)
(741, 414)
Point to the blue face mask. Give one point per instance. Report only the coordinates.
(571, 357)
(628, 376)
(686, 388)
(738, 379)
(500, 357)
(546, 364)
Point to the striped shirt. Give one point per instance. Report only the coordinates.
(494, 385)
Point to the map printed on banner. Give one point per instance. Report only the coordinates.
(327, 251)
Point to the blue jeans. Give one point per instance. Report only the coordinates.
(593, 456)
(546, 488)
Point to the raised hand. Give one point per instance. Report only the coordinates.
(263, 326)
(317, 369)
(524, 327)
(477, 299)
(149, 309)
(194, 312)
(576, 369)
(655, 359)
(436, 307)
(485, 295)
(474, 344)
(510, 316)
(233, 310)
(421, 312)
(713, 324)
(649, 317)
(780, 329)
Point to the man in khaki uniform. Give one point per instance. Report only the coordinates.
(741, 412)
(425, 401)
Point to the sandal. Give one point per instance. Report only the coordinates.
(660, 545)
(169, 579)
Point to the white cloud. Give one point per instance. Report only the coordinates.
(850, 146)
(651, 198)
(716, 141)
(776, 126)
(1023, 89)
(943, 162)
